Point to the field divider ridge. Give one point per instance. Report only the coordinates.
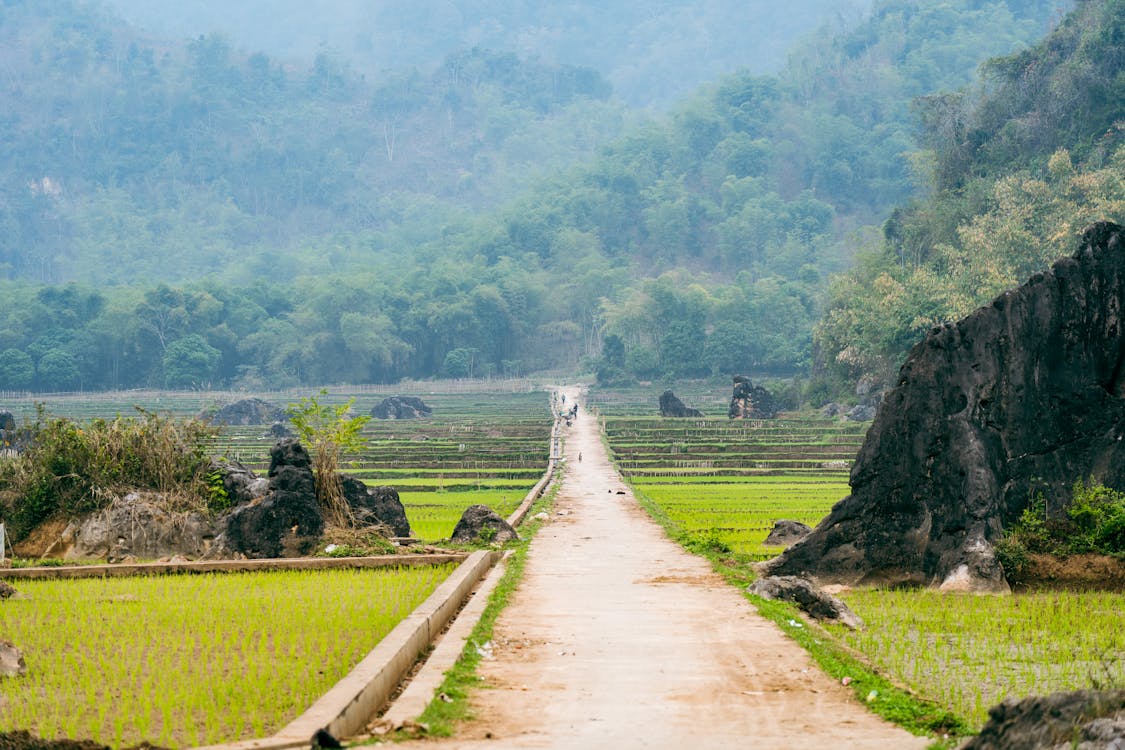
(116, 570)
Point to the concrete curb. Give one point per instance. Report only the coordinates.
(228, 566)
(536, 492)
(352, 702)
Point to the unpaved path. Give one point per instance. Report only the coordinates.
(618, 638)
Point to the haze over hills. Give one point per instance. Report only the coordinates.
(487, 214)
(653, 53)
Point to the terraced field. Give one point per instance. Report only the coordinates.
(478, 447)
(724, 482)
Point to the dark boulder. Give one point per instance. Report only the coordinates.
(670, 406)
(278, 431)
(7, 421)
(1022, 398)
(287, 521)
(749, 401)
(248, 411)
(785, 533)
(401, 407)
(1085, 719)
(242, 485)
(376, 505)
(481, 523)
(808, 598)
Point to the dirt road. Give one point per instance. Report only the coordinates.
(618, 638)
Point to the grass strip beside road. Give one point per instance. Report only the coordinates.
(442, 715)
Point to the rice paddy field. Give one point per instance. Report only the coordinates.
(121, 660)
(483, 445)
(722, 484)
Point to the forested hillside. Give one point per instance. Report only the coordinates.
(1022, 162)
(652, 52)
(315, 226)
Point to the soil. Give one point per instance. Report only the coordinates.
(1074, 572)
(23, 740)
(617, 637)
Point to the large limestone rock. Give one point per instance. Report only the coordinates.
(1085, 719)
(401, 407)
(749, 401)
(671, 406)
(481, 523)
(286, 522)
(376, 505)
(137, 525)
(1024, 396)
(248, 411)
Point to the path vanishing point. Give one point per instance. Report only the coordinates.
(618, 638)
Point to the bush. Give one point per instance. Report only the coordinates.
(1098, 516)
(69, 469)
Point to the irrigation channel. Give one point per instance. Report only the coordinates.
(617, 637)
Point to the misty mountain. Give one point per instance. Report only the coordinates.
(652, 53)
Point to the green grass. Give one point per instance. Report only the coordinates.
(969, 652)
(741, 514)
(191, 660)
(441, 716)
(433, 515)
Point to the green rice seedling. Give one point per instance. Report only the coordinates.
(970, 652)
(184, 660)
(433, 515)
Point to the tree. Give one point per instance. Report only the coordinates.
(328, 430)
(190, 362)
(17, 370)
(58, 371)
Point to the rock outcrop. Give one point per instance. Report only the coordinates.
(480, 523)
(286, 522)
(7, 421)
(1086, 719)
(138, 525)
(248, 411)
(1023, 397)
(401, 407)
(785, 533)
(749, 401)
(808, 598)
(376, 505)
(670, 406)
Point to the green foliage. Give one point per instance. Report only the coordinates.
(1021, 164)
(218, 499)
(69, 468)
(1094, 522)
(1098, 515)
(327, 430)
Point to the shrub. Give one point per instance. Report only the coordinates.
(69, 469)
(1098, 516)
